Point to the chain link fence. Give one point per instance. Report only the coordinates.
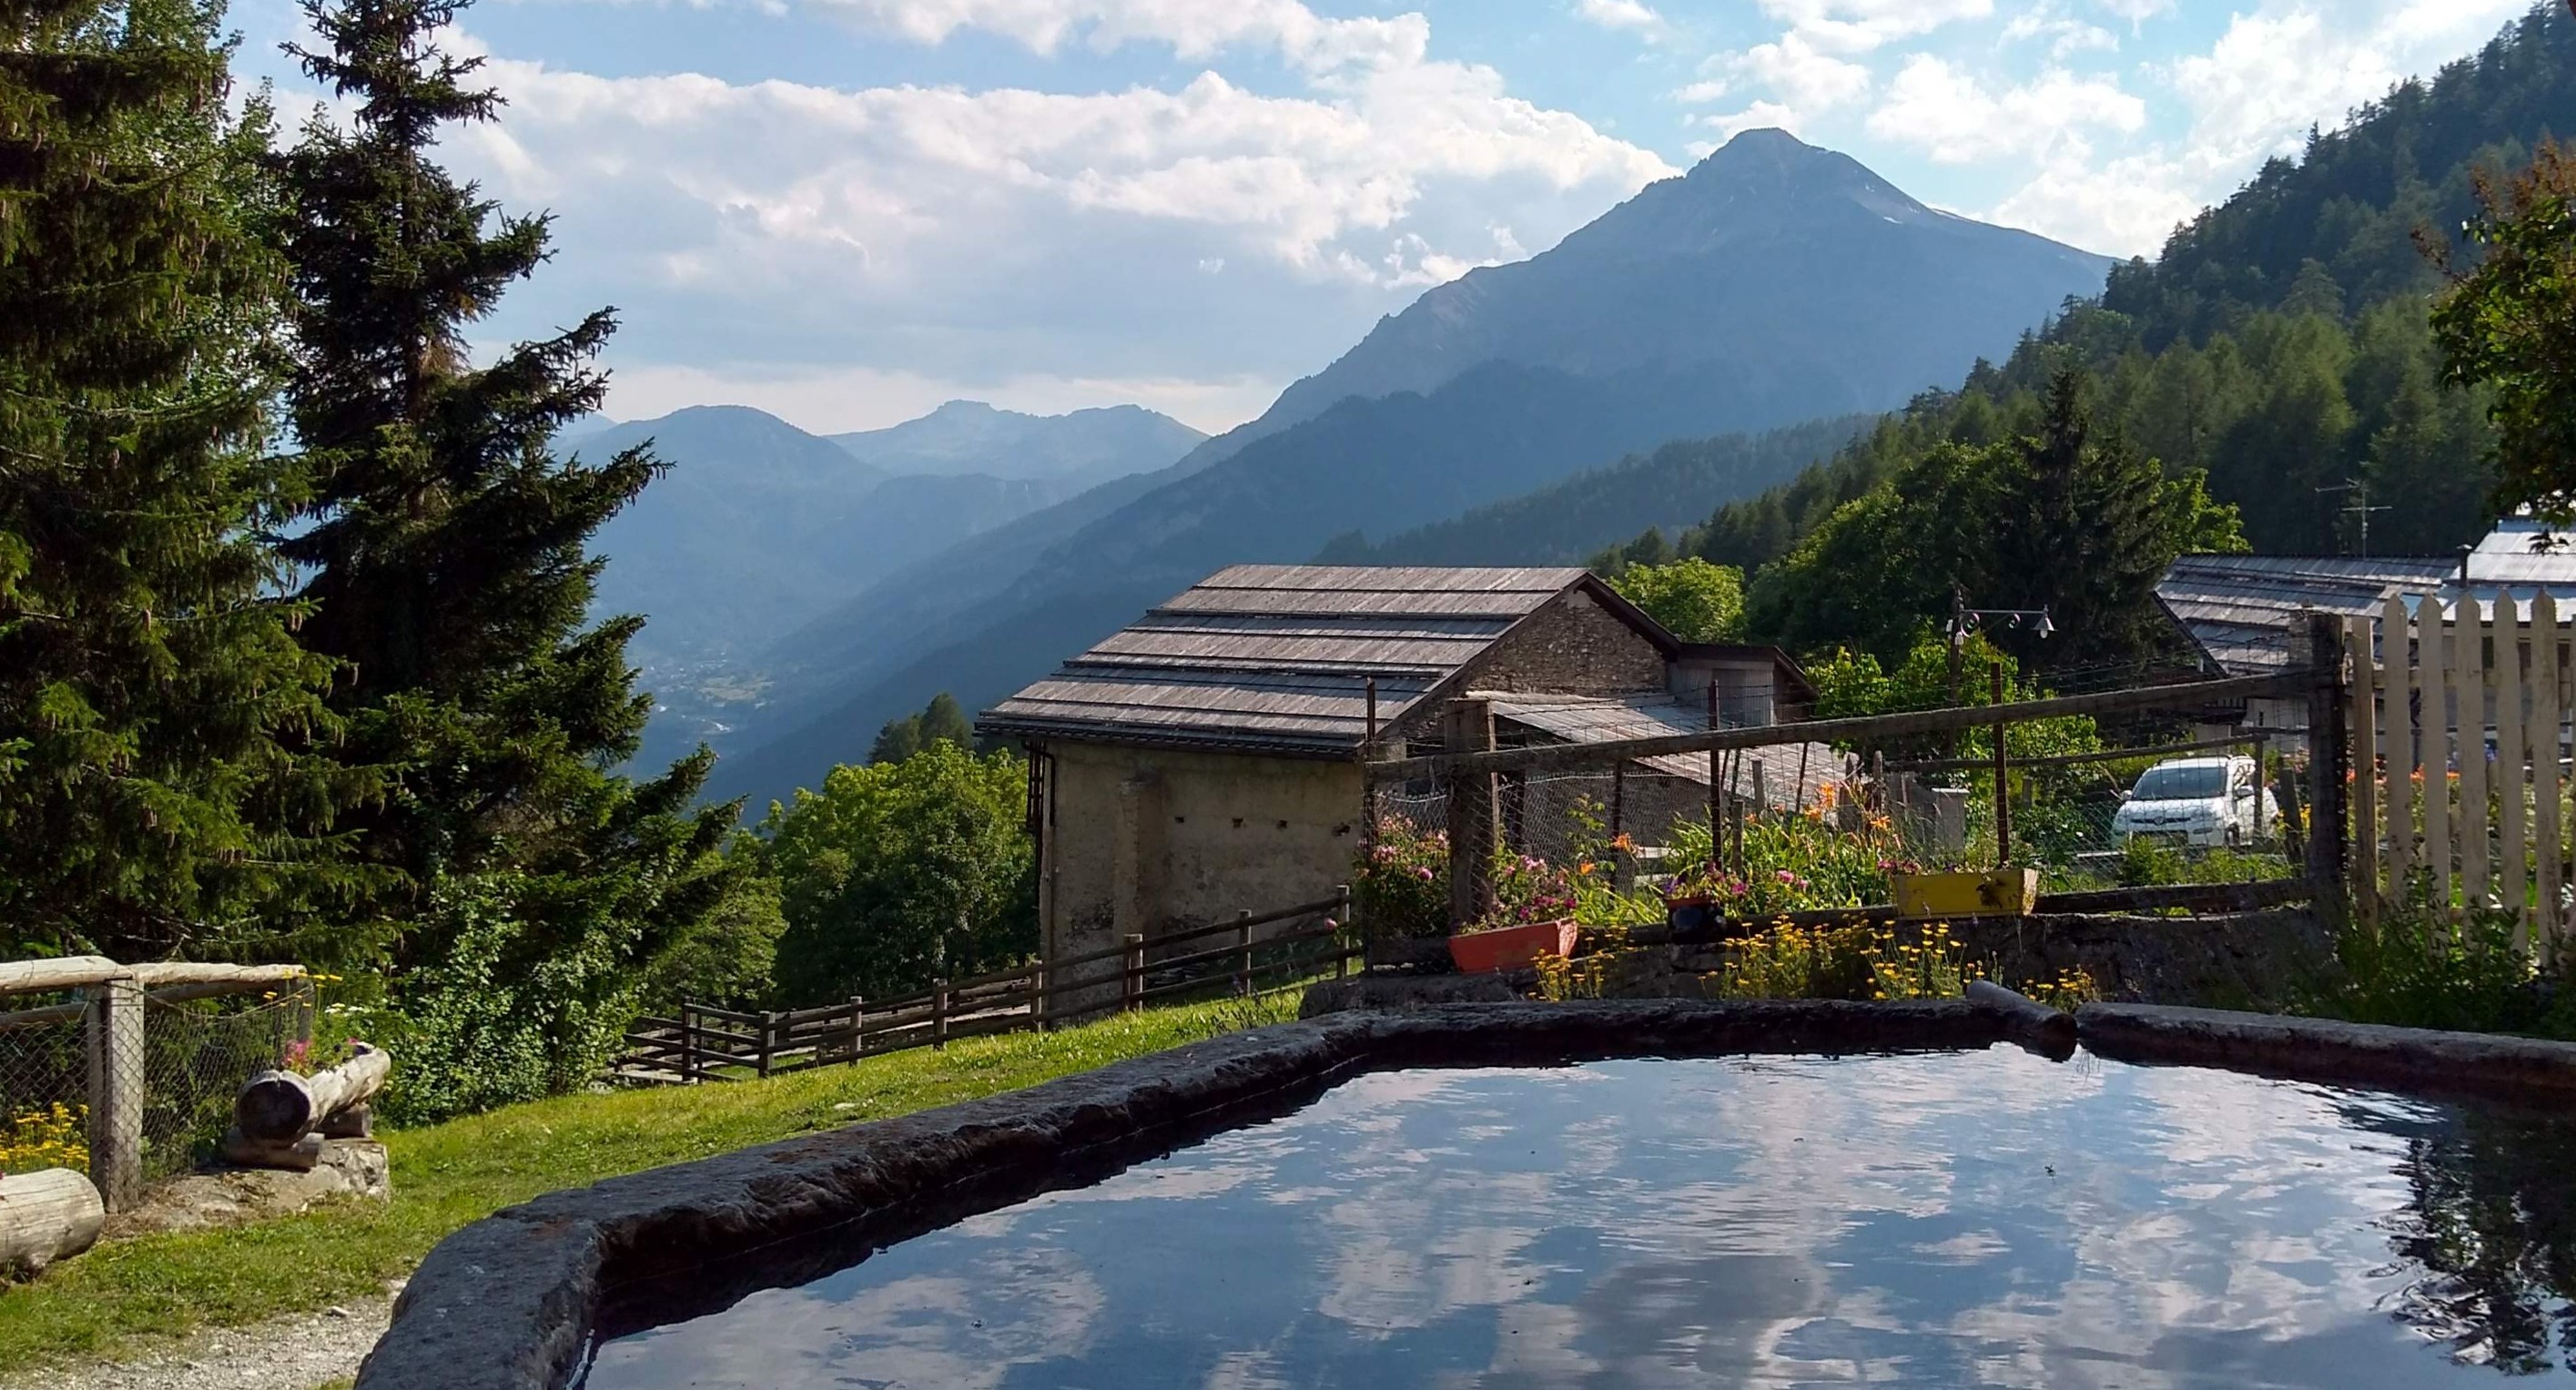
(194, 1055)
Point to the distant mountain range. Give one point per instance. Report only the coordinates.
(1775, 283)
(760, 527)
(970, 437)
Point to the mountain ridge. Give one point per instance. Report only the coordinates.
(1782, 324)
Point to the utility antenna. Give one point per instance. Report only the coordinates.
(2360, 508)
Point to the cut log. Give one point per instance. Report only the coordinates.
(356, 1122)
(281, 1106)
(46, 1216)
(62, 972)
(297, 1155)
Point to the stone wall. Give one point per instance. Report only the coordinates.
(1142, 840)
(1574, 646)
(2256, 960)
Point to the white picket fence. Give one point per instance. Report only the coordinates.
(2458, 726)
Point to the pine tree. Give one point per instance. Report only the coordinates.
(446, 549)
(153, 798)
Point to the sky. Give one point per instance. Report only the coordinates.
(848, 211)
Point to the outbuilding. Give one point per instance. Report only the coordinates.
(1207, 759)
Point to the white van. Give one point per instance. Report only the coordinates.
(2197, 801)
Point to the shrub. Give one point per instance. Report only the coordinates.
(2416, 970)
(1400, 884)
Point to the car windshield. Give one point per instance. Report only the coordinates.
(2172, 783)
(2183, 784)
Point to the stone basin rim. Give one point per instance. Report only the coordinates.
(510, 1301)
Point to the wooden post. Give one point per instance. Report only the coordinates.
(1342, 914)
(858, 1026)
(2003, 798)
(2550, 921)
(2513, 837)
(2439, 637)
(2328, 749)
(2363, 705)
(116, 1090)
(1135, 973)
(1761, 790)
(1368, 784)
(1474, 828)
(2470, 820)
(768, 1038)
(1620, 861)
(1243, 953)
(688, 1044)
(939, 1014)
(1720, 795)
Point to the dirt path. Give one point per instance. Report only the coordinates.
(299, 1352)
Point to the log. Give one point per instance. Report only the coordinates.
(280, 1106)
(64, 972)
(208, 980)
(300, 1154)
(46, 1216)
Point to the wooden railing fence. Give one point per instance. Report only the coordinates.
(709, 1044)
(2459, 740)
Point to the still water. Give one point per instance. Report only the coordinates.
(1980, 1219)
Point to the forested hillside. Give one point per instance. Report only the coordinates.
(1565, 523)
(2281, 346)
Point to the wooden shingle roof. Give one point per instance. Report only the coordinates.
(1276, 658)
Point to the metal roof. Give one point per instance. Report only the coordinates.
(2244, 611)
(1276, 658)
(1577, 719)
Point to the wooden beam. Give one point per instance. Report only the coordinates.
(62, 972)
(1865, 730)
(2107, 755)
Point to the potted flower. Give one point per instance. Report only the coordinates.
(1489, 947)
(1533, 914)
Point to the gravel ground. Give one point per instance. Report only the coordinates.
(290, 1353)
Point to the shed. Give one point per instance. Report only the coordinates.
(1206, 758)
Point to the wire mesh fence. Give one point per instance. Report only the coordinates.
(1807, 827)
(193, 1056)
(44, 1087)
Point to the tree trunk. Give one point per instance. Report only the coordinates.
(47, 1216)
(281, 1107)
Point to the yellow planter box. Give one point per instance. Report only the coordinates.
(2001, 893)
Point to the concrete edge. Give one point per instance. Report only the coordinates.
(510, 1302)
(2324, 1050)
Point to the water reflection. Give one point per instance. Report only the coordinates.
(1986, 1219)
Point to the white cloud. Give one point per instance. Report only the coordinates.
(1856, 26)
(1760, 115)
(1622, 14)
(2134, 11)
(1956, 119)
(2273, 73)
(1801, 76)
(973, 243)
(1194, 29)
(2067, 35)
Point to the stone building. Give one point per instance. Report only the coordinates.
(1206, 759)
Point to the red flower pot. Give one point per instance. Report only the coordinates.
(1491, 952)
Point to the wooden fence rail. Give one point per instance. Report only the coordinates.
(710, 1044)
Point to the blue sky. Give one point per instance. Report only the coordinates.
(847, 211)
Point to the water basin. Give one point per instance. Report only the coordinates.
(1980, 1218)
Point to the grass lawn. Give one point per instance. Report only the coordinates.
(447, 1175)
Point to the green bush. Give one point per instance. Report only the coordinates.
(896, 874)
(513, 1011)
(1400, 884)
(2416, 970)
